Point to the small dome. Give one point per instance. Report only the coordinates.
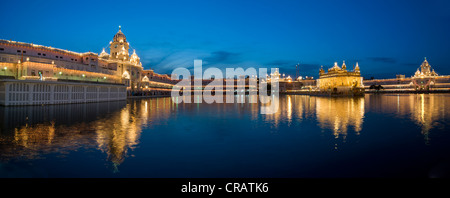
(357, 66)
(417, 72)
(134, 58)
(103, 54)
(433, 73)
(321, 71)
(275, 74)
(120, 37)
(335, 67)
(134, 55)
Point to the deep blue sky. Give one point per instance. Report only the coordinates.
(385, 37)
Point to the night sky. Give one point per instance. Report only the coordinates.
(385, 37)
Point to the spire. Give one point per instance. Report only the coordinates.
(134, 55)
(321, 71)
(119, 35)
(103, 53)
(344, 66)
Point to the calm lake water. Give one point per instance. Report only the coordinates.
(386, 135)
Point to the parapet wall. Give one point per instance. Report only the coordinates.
(33, 92)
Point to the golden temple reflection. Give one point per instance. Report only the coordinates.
(289, 109)
(115, 128)
(305, 106)
(338, 114)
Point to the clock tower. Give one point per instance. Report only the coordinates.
(119, 47)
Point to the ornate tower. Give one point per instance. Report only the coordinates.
(357, 67)
(135, 58)
(321, 71)
(425, 67)
(119, 47)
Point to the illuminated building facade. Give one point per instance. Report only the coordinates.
(25, 61)
(340, 81)
(425, 79)
(57, 76)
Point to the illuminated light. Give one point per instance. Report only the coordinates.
(5, 68)
(78, 72)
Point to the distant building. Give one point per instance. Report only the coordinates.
(424, 79)
(400, 76)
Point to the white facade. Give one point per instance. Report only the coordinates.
(32, 92)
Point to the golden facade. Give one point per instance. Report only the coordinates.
(340, 80)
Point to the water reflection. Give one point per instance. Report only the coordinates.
(338, 114)
(335, 114)
(30, 131)
(115, 128)
(112, 127)
(426, 110)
